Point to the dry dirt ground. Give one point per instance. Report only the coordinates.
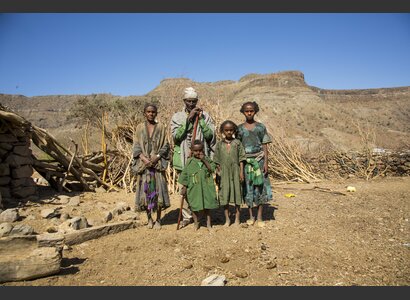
(315, 238)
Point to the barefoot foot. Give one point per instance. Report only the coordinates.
(150, 224)
(157, 225)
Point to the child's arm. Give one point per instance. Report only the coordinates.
(206, 163)
(242, 160)
(265, 159)
(241, 175)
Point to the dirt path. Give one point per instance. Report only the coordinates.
(315, 238)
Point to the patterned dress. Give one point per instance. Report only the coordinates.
(256, 188)
(229, 157)
(201, 193)
(152, 189)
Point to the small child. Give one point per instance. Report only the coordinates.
(230, 156)
(198, 183)
(254, 137)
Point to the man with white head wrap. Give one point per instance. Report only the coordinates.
(182, 125)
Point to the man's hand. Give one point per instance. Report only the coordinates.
(183, 191)
(193, 113)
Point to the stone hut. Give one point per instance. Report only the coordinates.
(16, 162)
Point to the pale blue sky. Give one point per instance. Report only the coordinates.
(129, 54)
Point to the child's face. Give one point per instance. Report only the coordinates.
(249, 112)
(228, 131)
(197, 151)
(150, 113)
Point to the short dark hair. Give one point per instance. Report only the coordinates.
(197, 142)
(148, 105)
(254, 104)
(235, 127)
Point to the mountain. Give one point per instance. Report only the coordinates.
(315, 117)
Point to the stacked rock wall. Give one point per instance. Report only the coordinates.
(361, 165)
(16, 183)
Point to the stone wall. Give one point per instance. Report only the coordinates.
(16, 184)
(360, 165)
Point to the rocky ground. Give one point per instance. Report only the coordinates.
(318, 237)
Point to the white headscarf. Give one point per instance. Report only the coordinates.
(190, 93)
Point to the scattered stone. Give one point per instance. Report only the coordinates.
(26, 264)
(107, 216)
(30, 217)
(48, 213)
(41, 181)
(74, 201)
(64, 217)
(128, 215)
(351, 189)
(80, 236)
(188, 265)
(67, 247)
(224, 259)
(214, 280)
(22, 229)
(271, 265)
(51, 240)
(5, 229)
(63, 227)
(55, 221)
(123, 206)
(241, 274)
(63, 199)
(100, 190)
(116, 211)
(101, 205)
(75, 223)
(9, 215)
(263, 247)
(51, 229)
(90, 222)
(78, 223)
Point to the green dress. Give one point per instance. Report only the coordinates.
(200, 185)
(228, 158)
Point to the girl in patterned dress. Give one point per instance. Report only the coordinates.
(254, 137)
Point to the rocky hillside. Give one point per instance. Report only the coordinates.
(316, 117)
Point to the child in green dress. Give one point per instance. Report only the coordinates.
(230, 156)
(198, 183)
(255, 138)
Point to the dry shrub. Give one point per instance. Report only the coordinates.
(286, 160)
(362, 163)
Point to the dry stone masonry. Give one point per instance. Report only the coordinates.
(16, 184)
(361, 165)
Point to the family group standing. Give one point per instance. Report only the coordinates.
(238, 162)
